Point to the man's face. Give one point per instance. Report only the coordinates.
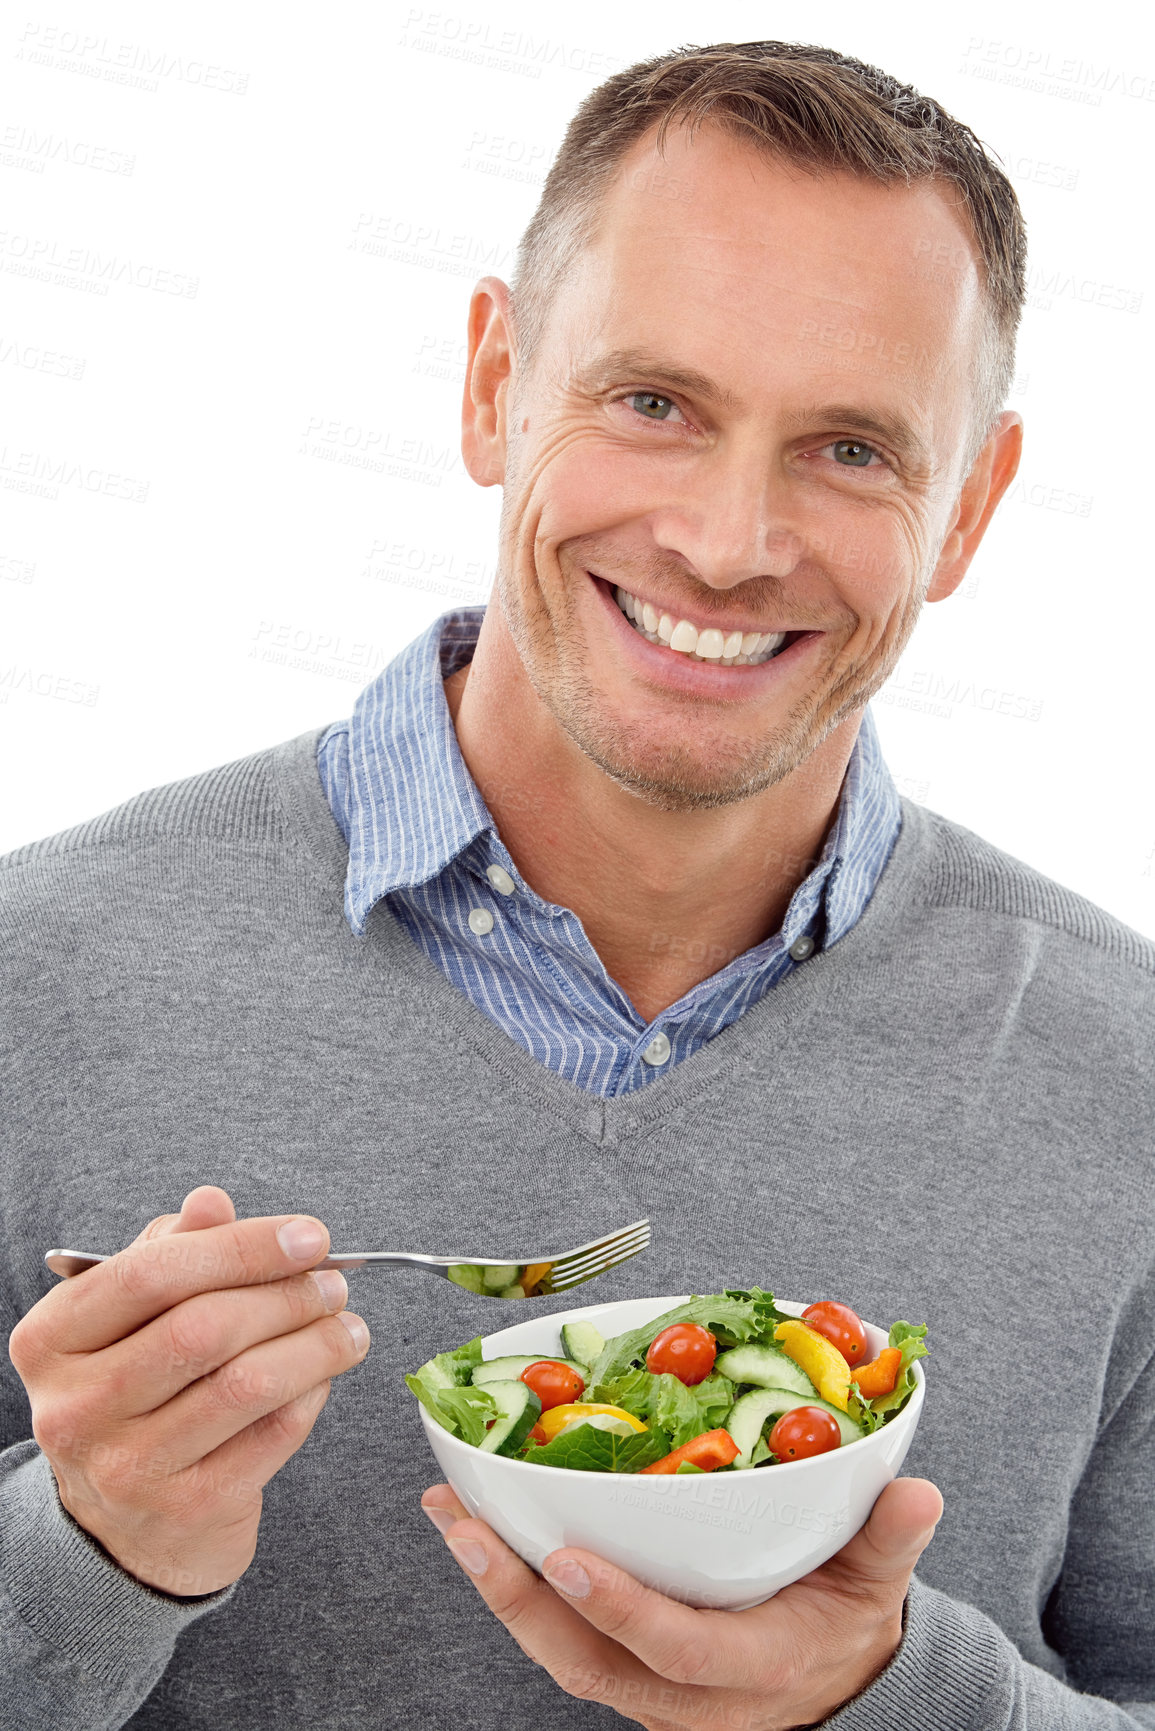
(748, 410)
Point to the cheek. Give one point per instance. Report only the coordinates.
(880, 561)
(578, 484)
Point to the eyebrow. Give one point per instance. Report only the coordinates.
(634, 363)
(894, 430)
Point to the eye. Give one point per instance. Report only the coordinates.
(853, 454)
(651, 405)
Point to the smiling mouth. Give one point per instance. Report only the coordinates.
(706, 643)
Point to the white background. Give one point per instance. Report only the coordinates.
(230, 482)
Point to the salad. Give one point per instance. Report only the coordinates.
(717, 1384)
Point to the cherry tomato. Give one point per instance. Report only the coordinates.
(805, 1431)
(841, 1327)
(685, 1350)
(553, 1384)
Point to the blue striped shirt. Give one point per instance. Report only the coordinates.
(421, 837)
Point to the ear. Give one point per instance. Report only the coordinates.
(488, 375)
(993, 471)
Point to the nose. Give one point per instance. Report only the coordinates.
(730, 518)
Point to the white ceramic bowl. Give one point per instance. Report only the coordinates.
(728, 1540)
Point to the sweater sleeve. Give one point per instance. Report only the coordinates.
(955, 1669)
(82, 1642)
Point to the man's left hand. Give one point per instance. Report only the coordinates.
(785, 1664)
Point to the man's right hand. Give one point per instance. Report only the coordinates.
(170, 1383)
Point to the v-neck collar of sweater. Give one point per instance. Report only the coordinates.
(429, 994)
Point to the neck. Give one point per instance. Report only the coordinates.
(667, 899)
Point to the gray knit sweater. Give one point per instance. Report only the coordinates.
(947, 1117)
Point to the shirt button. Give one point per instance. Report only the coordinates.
(801, 948)
(500, 879)
(657, 1051)
(480, 921)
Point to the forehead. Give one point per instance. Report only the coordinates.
(736, 253)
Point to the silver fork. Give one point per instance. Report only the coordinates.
(532, 1277)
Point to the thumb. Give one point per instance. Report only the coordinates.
(207, 1205)
(900, 1527)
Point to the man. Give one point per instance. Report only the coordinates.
(573, 922)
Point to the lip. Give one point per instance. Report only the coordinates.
(698, 678)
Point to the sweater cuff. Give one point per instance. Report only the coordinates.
(953, 1671)
(80, 1603)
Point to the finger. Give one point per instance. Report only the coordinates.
(545, 1627)
(120, 1295)
(142, 1372)
(900, 1527)
(443, 1507)
(733, 1649)
(672, 1641)
(207, 1205)
(249, 1387)
(241, 1467)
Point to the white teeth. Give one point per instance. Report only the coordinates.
(728, 649)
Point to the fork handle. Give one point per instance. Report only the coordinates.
(66, 1263)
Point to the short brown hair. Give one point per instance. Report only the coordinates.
(810, 106)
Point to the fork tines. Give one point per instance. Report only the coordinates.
(593, 1259)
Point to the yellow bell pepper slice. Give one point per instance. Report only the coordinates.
(559, 1416)
(823, 1363)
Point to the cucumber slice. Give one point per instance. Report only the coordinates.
(512, 1292)
(765, 1367)
(749, 1414)
(500, 1274)
(518, 1410)
(509, 1369)
(465, 1275)
(581, 1341)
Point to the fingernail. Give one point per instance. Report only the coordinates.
(301, 1239)
(332, 1286)
(569, 1577)
(356, 1328)
(469, 1555)
(441, 1518)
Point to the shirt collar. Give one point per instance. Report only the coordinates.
(413, 805)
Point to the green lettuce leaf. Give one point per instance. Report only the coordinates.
(873, 1413)
(427, 1394)
(600, 1451)
(444, 1374)
(687, 1467)
(463, 1411)
(715, 1397)
(470, 1409)
(732, 1317)
(859, 1409)
(459, 1364)
(909, 1338)
(766, 1314)
(665, 1401)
